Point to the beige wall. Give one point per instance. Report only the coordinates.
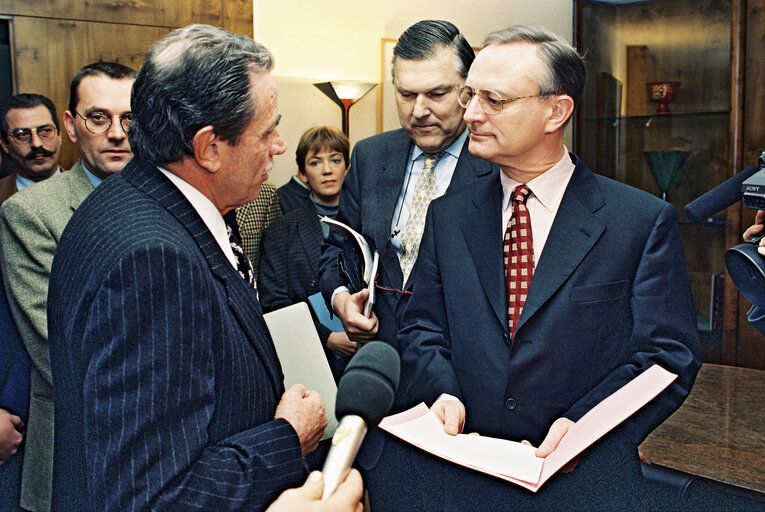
(341, 40)
(312, 42)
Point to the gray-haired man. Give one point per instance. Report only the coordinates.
(168, 391)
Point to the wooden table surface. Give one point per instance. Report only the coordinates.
(719, 432)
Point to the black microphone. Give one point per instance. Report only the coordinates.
(720, 197)
(365, 394)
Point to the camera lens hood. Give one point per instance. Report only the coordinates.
(747, 269)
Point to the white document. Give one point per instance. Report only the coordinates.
(302, 356)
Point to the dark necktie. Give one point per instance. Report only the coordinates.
(243, 265)
(518, 251)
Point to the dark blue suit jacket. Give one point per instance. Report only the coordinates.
(14, 397)
(368, 204)
(292, 195)
(166, 380)
(289, 261)
(14, 363)
(610, 297)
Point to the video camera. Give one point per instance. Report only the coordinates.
(745, 265)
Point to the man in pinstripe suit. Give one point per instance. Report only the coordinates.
(168, 393)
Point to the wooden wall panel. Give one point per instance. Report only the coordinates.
(168, 13)
(45, 64)
(238, 17)
(55, 38)
(754, 101)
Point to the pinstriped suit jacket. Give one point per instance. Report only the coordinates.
(165, 377)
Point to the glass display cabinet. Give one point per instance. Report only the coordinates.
(656, 115)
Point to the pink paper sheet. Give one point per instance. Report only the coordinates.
(591, 427)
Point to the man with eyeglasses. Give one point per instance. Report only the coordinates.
(31, 223)
(30, 139)
(541, 292)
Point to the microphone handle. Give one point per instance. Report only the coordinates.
(345, 445)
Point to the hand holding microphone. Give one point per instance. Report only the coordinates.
(364, 396)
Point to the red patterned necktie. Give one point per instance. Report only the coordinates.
(518, 250)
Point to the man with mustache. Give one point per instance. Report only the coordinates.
(31, 223)
(30, 138)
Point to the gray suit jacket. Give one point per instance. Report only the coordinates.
(31, 223)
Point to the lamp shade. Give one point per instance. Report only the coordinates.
(345, 93)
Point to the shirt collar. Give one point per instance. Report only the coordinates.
(23, 182)
(207, 211)
(548, 187)
(94, 180)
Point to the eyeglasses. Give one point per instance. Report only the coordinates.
(98, 122)
(24, 135)
(491, 101)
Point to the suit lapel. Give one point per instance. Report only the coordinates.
(468, 169)
(390, 180)
(79, 185)
(241, 299)
(575, 230)
(482, 231)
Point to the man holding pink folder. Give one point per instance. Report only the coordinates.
(538, 295)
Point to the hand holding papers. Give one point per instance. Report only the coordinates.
(357, 262)
(513, 461)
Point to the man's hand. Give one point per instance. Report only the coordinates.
(451, 413)
(304, 410)
(346, 498)
(339, 343)
(757, 228)
(10, 434)
(557, 430)
(350, 309)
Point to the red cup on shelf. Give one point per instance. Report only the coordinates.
(662, 93)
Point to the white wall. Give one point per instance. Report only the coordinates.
(340, 39)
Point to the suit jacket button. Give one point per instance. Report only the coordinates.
(506, 338)
(510, 404)
(313, 284)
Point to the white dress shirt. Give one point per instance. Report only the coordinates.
(208, 212)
